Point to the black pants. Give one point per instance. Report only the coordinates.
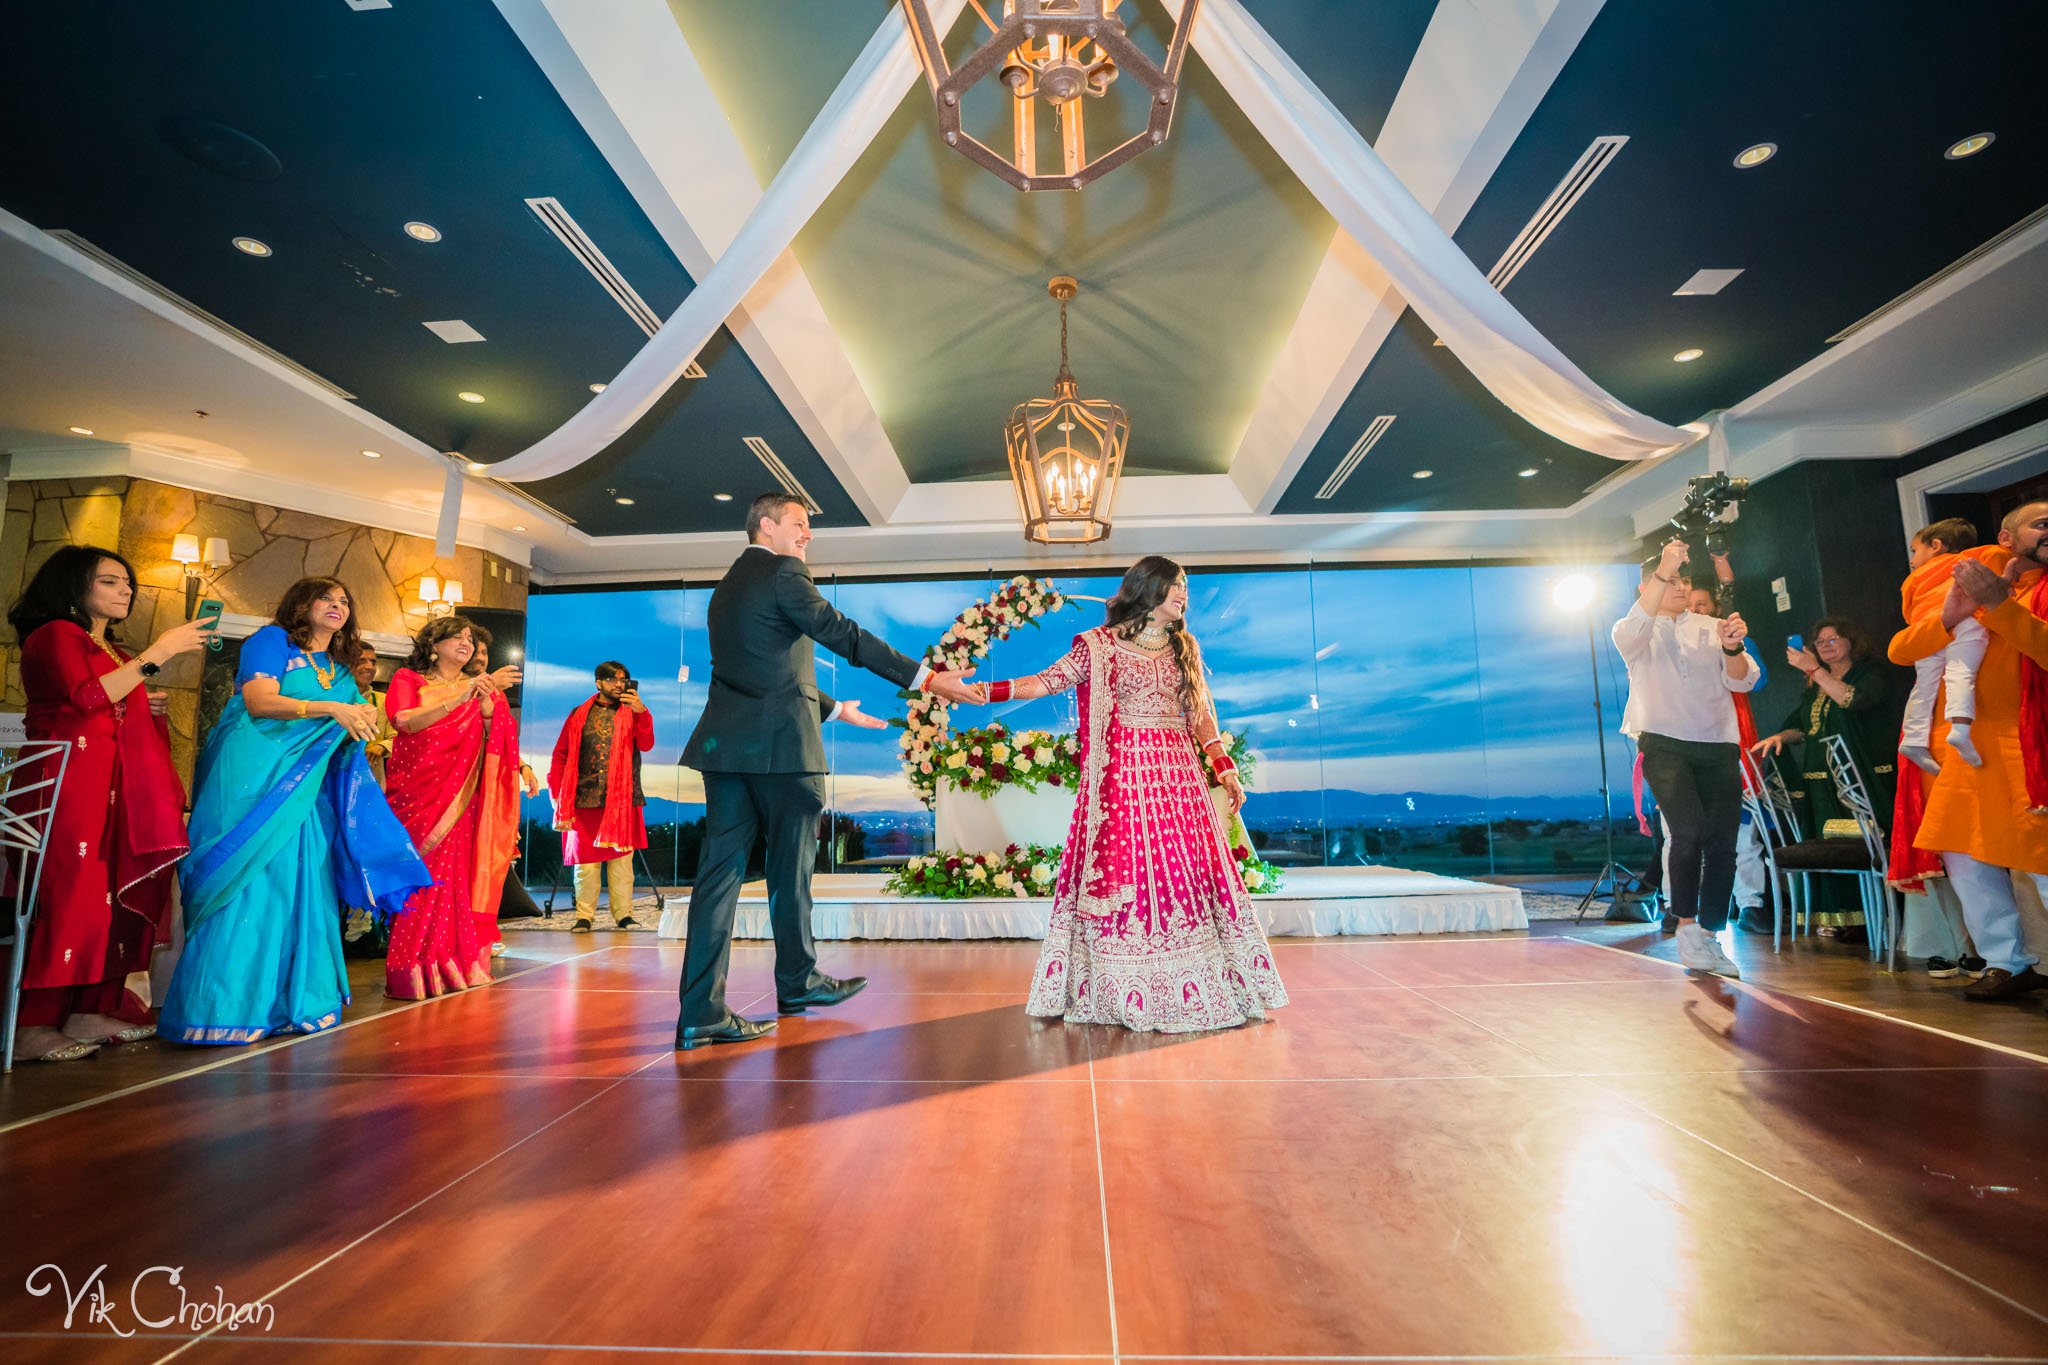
(1698, 788)
(783, 808)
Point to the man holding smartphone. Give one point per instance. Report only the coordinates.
(594, 779)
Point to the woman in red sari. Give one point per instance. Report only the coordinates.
(119, 824)
(453, 780)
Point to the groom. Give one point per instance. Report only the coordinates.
(763, 760)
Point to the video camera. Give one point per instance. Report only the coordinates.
(1710, 506)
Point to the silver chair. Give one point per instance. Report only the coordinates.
(1881, 906)
(28, 801)
(1772, 827)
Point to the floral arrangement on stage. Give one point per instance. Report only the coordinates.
(990, 757)
(1019, 602)
(954, 874)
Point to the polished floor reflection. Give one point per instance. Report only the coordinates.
(1524, 1148)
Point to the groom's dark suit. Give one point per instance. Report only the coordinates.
(760, 750)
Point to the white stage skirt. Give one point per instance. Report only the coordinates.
(1315, 901)
(1011, 816)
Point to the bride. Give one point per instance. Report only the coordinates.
(1151, 926)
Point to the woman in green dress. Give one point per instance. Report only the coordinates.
(1849, 692)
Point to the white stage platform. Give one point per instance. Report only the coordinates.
(1315, 901)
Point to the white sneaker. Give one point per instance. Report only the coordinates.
(1700, 951)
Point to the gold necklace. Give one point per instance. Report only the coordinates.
(1151, 635)
(108, 649)
(325, 675)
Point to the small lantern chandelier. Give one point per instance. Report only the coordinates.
(1057, 51)
(1066, 452)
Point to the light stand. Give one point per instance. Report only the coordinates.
(1576, 593)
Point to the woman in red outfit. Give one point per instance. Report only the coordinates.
(119, 825)
(453, 772)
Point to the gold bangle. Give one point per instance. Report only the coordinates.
(302, 710)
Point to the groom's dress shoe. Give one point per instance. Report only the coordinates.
(732, 1029)
(830, 990)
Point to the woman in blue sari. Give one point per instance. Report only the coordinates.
(288, 825)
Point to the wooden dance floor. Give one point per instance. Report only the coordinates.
(1509, 1148)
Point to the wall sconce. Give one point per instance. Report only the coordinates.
(441, 598)
(186, 552)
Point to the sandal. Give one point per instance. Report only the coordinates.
(71, 1050)
(115, 1037)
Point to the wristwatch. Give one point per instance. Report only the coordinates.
(148, 669)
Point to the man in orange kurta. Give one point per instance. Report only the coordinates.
(1982, 820)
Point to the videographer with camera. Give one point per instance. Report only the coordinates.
(594, 779)
(1682, 667)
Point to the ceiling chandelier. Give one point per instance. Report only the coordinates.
(1061, 53)
(1066, 452)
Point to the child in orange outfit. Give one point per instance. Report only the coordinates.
(1932, 556)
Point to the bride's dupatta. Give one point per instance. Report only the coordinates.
(1099, 896)
(497, 797)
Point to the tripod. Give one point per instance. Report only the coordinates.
(1611, 873)
(640, 861)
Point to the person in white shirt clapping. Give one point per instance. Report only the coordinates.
(1681, 668)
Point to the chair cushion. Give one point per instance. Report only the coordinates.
(1826, 855)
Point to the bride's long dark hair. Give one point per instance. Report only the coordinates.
(1144, 587)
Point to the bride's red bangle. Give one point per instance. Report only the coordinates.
(1221, 764)
(1000, 691)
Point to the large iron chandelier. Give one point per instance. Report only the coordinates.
(1066, 452)
(1061, 53)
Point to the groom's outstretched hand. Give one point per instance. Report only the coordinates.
(955, 688)
(851, 714)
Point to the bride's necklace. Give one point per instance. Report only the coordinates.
(1152, 636)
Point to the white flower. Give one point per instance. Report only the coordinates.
(1042, 754)
(1041, 873)
(977, 873)
(1023, 763)
(1003, 880)
(1000, 753)
(956, 760)
(1254, 879)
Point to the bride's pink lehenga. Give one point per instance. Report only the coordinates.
(1152, 928)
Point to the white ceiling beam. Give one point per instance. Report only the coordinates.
(627, 73)
(1482, 68)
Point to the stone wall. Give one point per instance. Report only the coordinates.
(271, 549)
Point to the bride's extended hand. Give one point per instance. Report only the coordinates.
(1235, 789)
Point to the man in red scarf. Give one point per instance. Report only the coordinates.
(1991, 821)
(595, 782)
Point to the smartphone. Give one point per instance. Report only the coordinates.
(1795, 642)
(209, 616)
(632, 685)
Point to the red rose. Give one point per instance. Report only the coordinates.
(1241, 853)
(1053, 778)
(952, 864)
(1013, 850)
(999, 772)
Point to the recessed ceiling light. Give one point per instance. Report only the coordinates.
(373, 454)
(249, 246)
(715, 497)
(623, 502)
(81, 431)
(597, 388)
(1757, 155)
(1425, 474)
(468, 397)
(1969, 146)
(423, 232)
(519, 528)
(1526, 474)
(1688, 355)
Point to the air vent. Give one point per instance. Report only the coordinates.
(518, 490)
(1569, 191)
(2024, 225)
(572, 235)
(780, 473)
(191, 309)
(1349, 464)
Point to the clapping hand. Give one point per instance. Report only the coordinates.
(1983, 587)
(506, 678)
(955, 688)
(850, 714)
